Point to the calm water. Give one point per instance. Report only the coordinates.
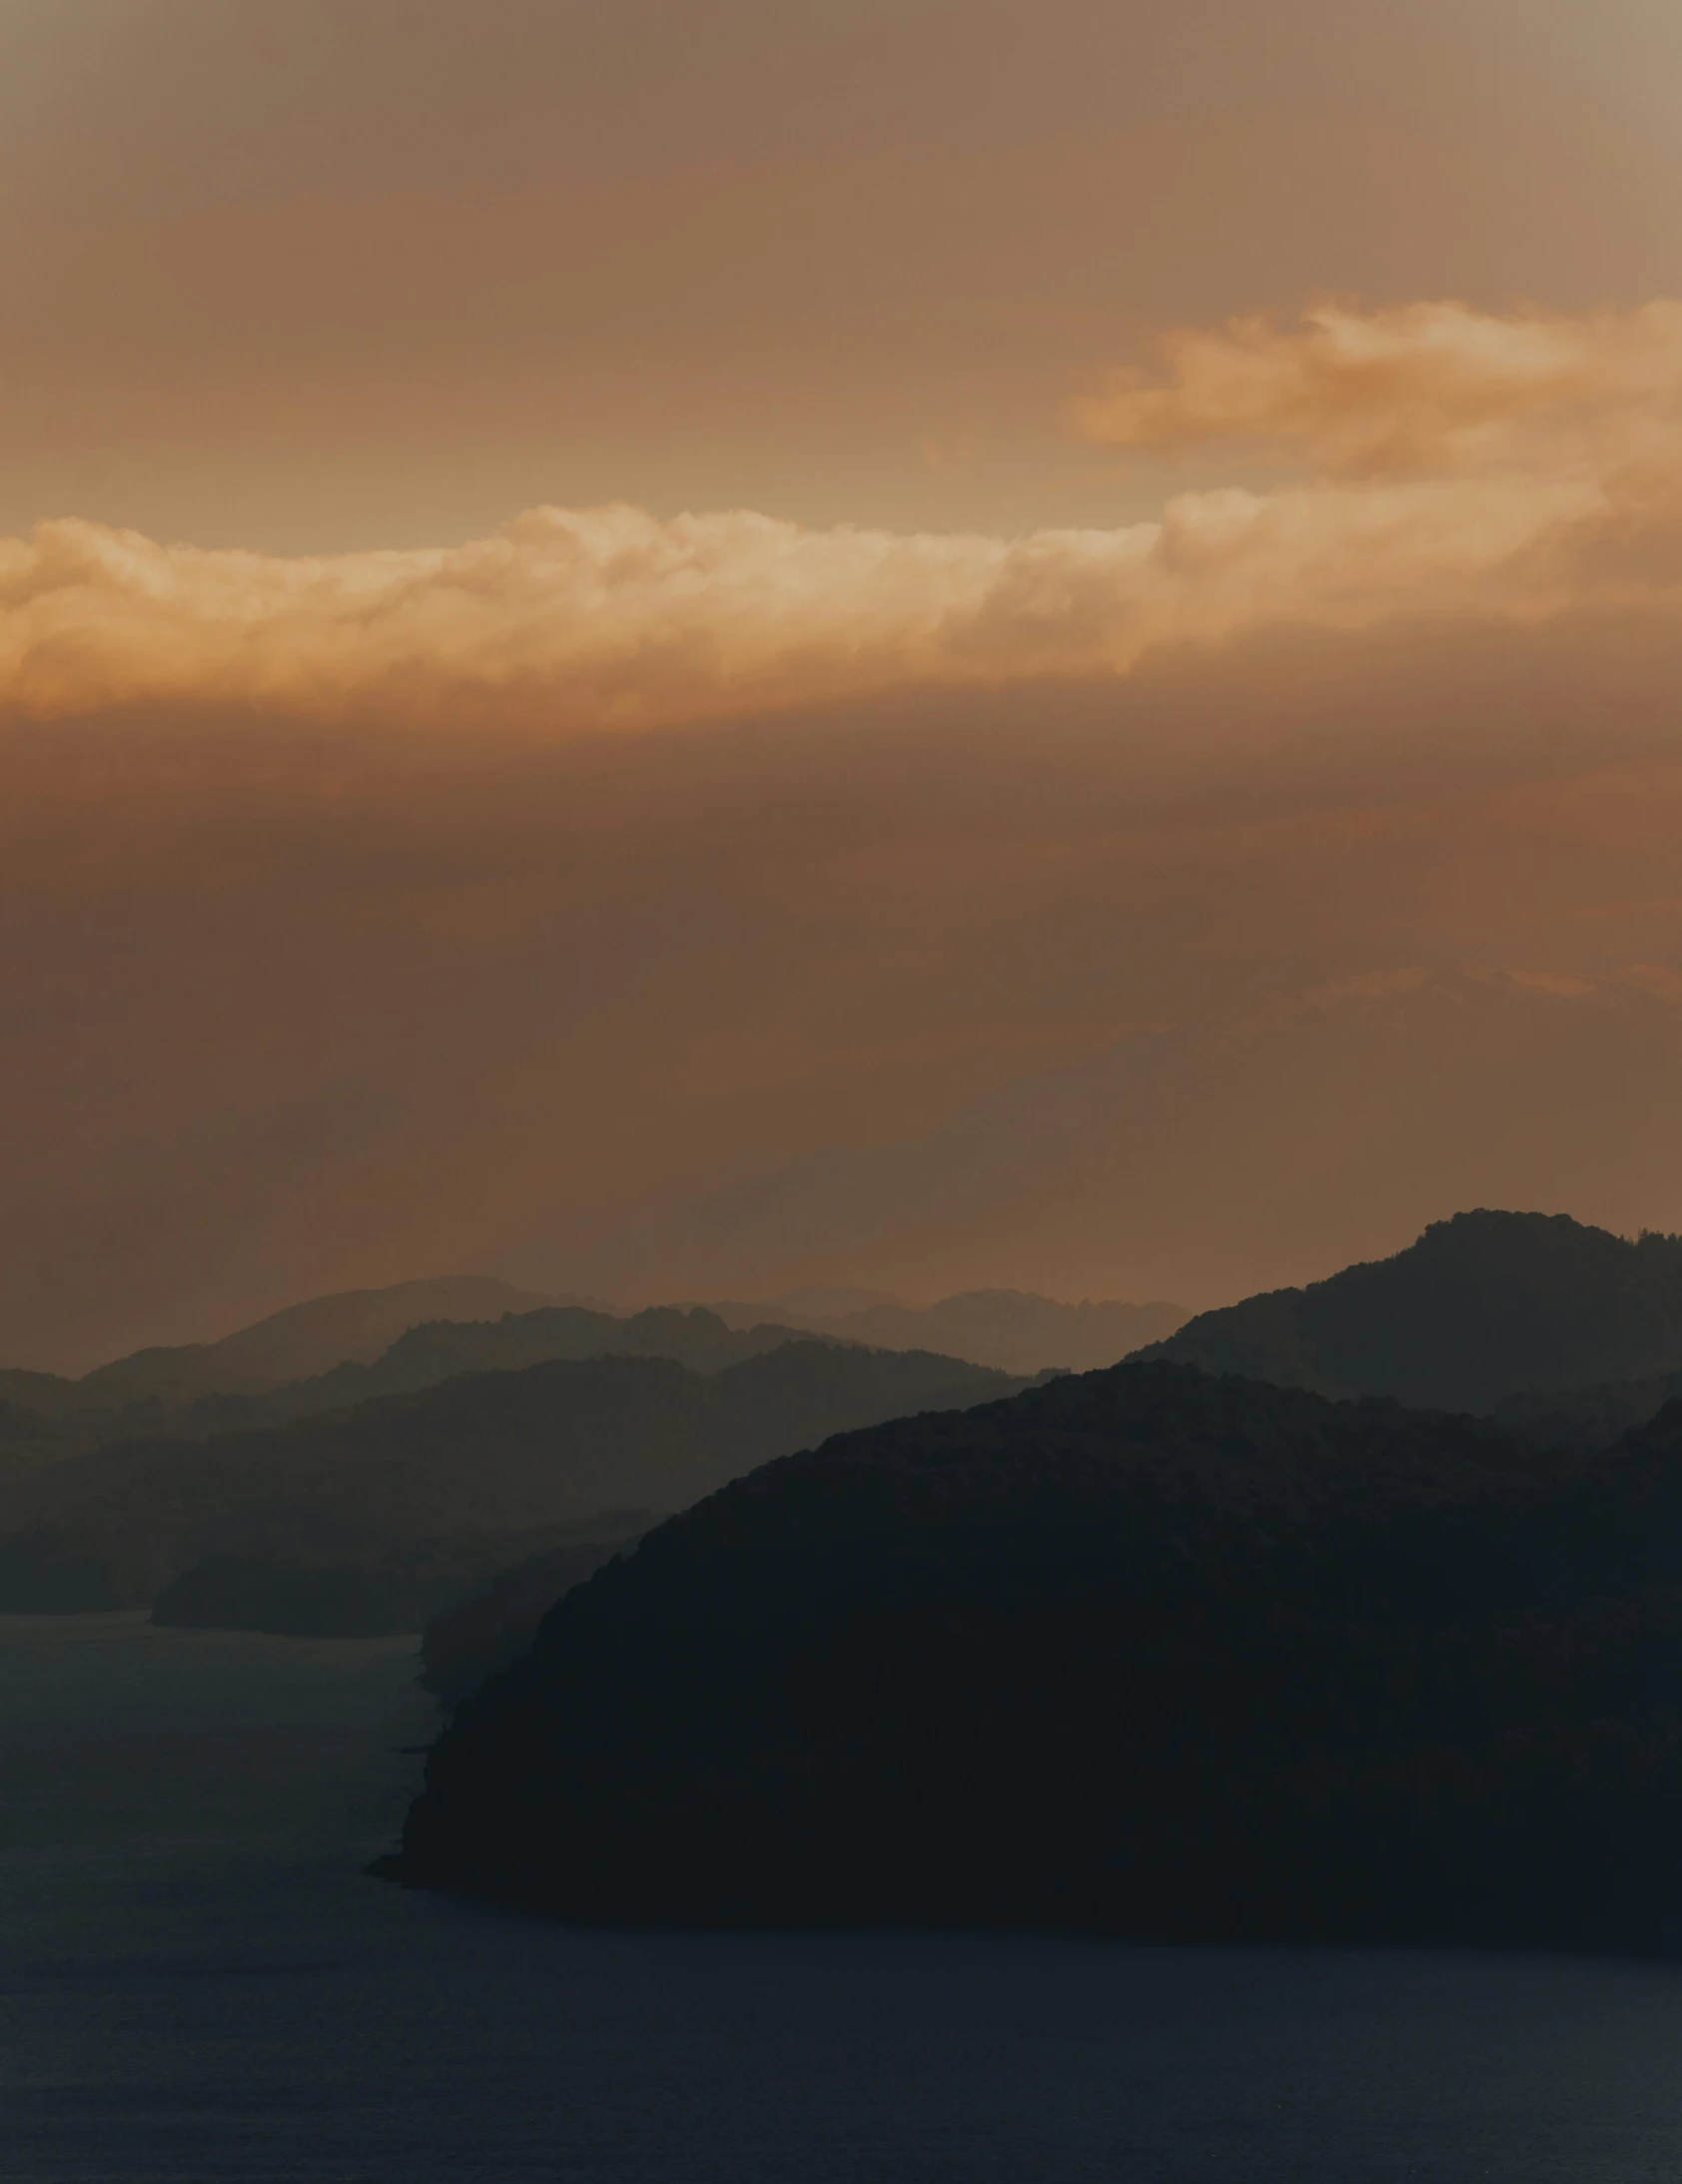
(196, 1984)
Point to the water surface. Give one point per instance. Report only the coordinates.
(196, 1984)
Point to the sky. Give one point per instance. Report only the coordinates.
(683, 650)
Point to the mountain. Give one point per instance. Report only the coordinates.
(484, 1455)
(290, 1345)
(1585, 1418)
(73, 1415)
(1140, 1653)
(1014, 1329)
(27, 1443)
(432, 1352)
(1481, 1307)
(473, 1637)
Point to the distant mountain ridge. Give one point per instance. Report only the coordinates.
(108, 1405)
(1015, 1330)
(352, 1326)
(488, 1456)
(1480, 1308)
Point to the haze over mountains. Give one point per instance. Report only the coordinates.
(1004, 1327)
(335, 1350)
(297, 1343)
(1220, 1153)
(366, 1494)
(435, 1489)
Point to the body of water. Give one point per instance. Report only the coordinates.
(197, 1983)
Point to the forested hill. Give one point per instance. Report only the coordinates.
(1481, 1307)
(1139, 1653)
(487, 1455)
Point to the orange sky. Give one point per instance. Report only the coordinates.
(1090, 646)
(370, 272)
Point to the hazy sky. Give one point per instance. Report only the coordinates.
(316, 274)
(1067, 612)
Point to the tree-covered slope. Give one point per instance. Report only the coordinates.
(1140, 1653)
(1481, 1307)
(488, 1628)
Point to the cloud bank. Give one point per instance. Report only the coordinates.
(1452, 464)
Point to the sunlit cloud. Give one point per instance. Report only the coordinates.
(1454, 464)
(1424, 387)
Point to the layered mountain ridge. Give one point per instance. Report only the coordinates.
(496, 1459)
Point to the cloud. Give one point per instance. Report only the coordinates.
(1457, 464)
(1424, 387)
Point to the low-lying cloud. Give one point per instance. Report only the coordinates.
(1453, 465)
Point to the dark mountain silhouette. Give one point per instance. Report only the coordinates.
(27, 1442)
(491, 1455)
(472, 1638)
(1010, 1329)
(1141, 1653)
(1585, 1418)
(1481, 1307)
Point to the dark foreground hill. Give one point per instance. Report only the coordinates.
(1585, 1418)
(485, 1630)
(485, 1456)
(1140, 1652)
(1482, 1307)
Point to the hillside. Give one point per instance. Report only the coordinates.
(1140, 1653)
(1479, 1308)
(1585, 1418)
(490, 1455)
(475, 1636)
